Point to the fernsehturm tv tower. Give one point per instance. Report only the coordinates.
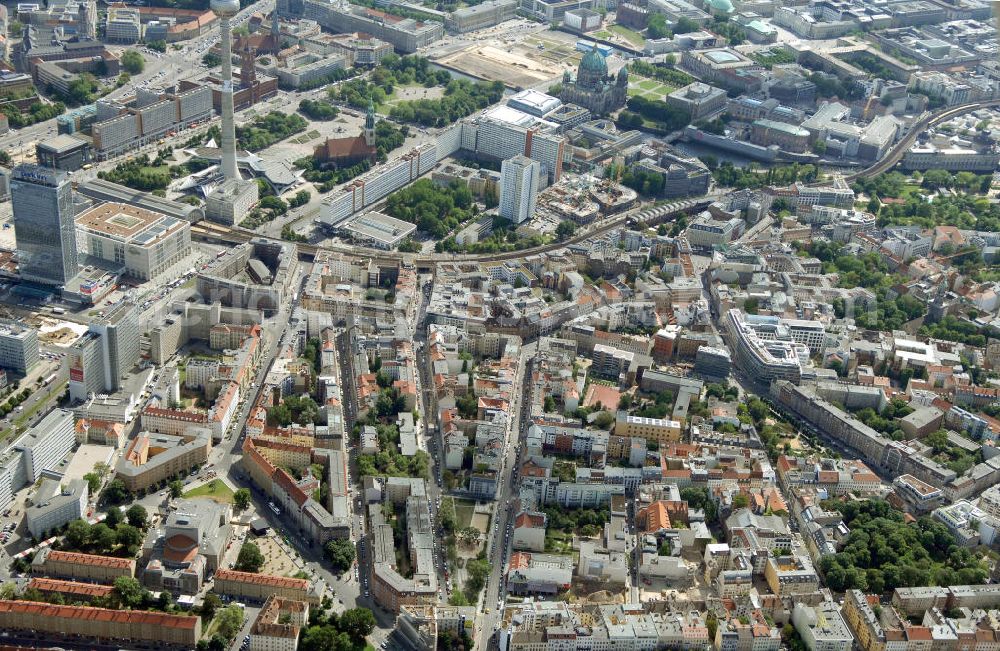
(226, 9)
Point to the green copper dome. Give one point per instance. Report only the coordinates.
(722, 6)
(594, 62)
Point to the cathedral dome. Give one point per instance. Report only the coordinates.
(721, 6)
(593, 62)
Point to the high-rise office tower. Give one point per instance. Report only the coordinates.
(519, 188)
(86, 373)
(226, 9)
(87, 20)
(120, 332)
(44, 225)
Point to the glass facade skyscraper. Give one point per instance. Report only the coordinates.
(44, 225)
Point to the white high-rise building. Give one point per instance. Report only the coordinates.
(47, 443)
(519, 188)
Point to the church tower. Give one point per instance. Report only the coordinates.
(370, 124)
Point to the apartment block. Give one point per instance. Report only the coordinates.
(86, 567)
(660, 430)
(124, 626)
(248, 586)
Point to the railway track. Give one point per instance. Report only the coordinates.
(235, 235)
(889, 161)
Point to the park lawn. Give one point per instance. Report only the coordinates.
(216, 490)
(633, 37)
(558, 542)
(464, 510)
(649, 88)
(635, 90)
(911, 188)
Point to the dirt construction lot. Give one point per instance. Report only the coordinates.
(524, 64)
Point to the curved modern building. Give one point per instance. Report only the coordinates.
(760, 357)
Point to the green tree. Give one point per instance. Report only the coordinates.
(176, 488)
(209, 605)
(132, 62)
(93, 482)
(241, 499)
(81, 90)
(102, 538)
(741, 501)
(249, 559)
(230, 621)
(318, 110)
(565, 229)
(358, 623)
(656, 26)
(137, 516)
(116, 492)
(78, 534)
(340, 553)
(477, 571)
(685, 25)
(113, 517)
(325, 638)
(128, 537)
(935, 179)
(604, 420)
(470, 535)
(128, 592)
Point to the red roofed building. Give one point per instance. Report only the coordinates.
(293, 496)
(662, 515)
(122, 626)
(72, 590)
(279, 624)
(74, 565)
(529, 531)
(249, 586)
(345, 152)
(171, 421)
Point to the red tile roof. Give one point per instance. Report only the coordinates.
(533, 520)
(88, 559)
(70, 587)
(287, 483)
(261, 579)
(340, 148)
(136, 617)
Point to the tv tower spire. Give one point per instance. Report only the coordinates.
(226, 9)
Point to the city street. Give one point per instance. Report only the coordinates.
(498, 543)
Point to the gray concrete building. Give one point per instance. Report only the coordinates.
(18, 347)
